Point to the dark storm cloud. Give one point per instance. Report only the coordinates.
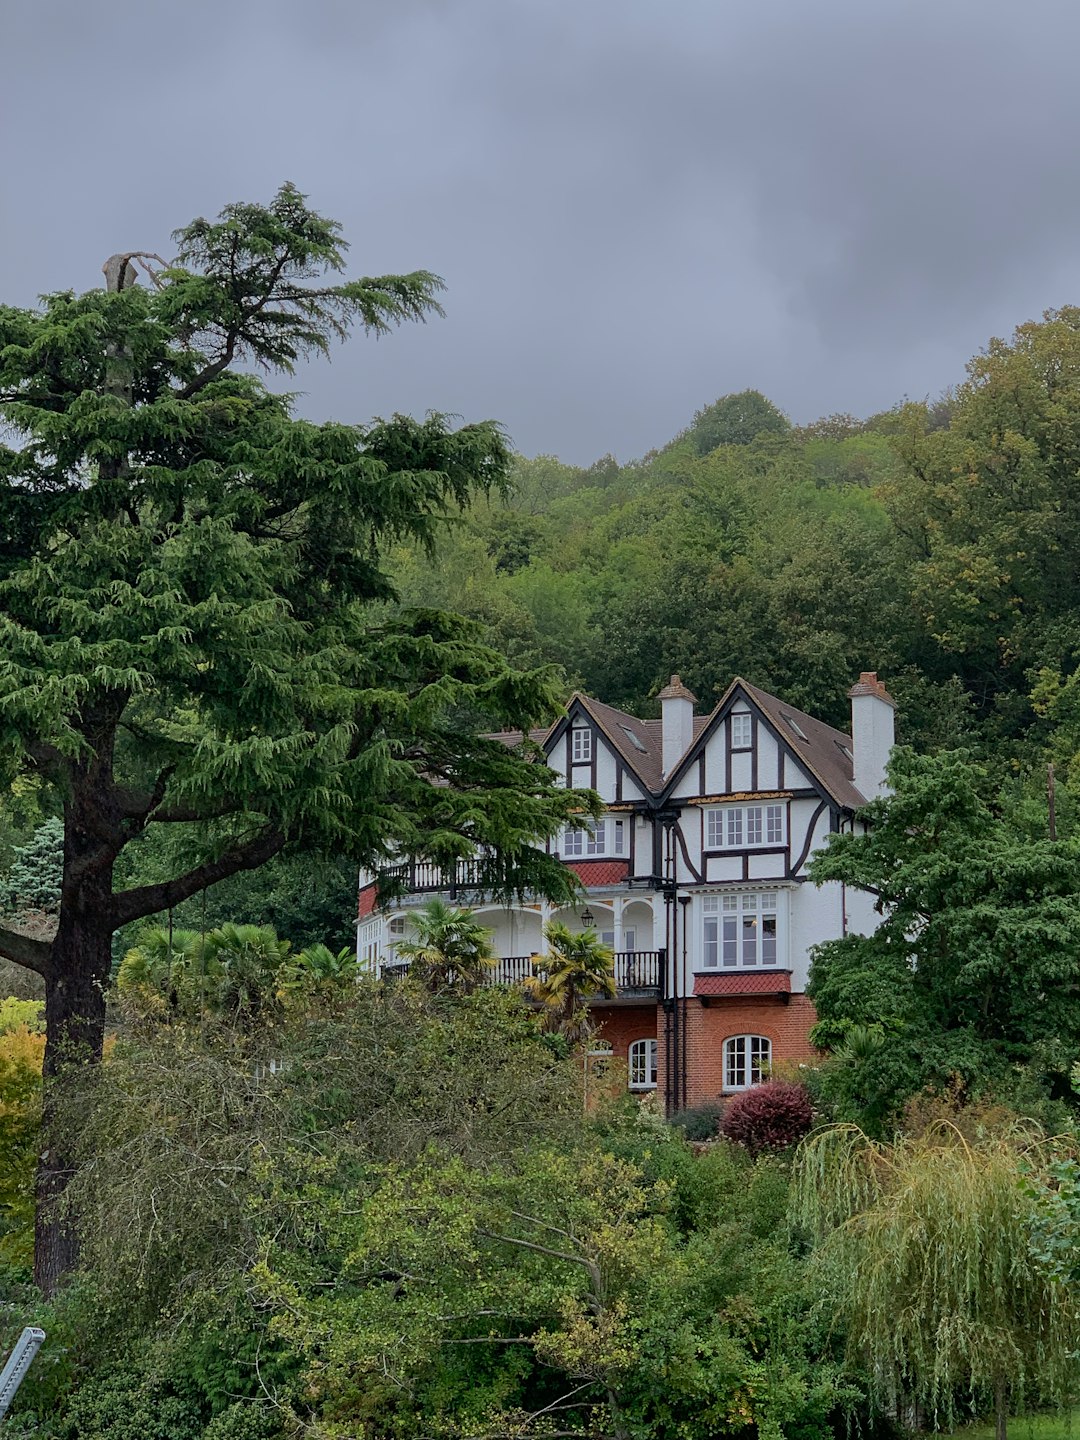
(637, 206)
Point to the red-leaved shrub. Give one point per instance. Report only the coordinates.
(768, 1117)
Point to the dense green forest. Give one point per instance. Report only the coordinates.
(934, 543)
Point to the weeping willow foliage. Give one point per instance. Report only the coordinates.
(924, 1248)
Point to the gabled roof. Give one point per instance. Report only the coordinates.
(823, 752)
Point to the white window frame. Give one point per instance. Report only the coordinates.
(759, 826)
(580, 745)
(641, 1064)
(603, 838)
(741, 931)
(742, 730)
(747, 1061)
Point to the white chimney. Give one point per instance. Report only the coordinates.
(676, 722)
(873, 734)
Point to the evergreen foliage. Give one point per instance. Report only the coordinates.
(449, 948)
(36, 874)
(190, 593)
(971, 971)
(578, 967)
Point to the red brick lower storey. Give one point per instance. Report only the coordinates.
(785, 1021)
(620, 1025)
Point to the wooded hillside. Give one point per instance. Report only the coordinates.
(934, 543)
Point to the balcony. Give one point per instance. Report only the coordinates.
(639, 974)
(422, 877)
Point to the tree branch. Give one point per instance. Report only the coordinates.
(150, 899)
(30, 954)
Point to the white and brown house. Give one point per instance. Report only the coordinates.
(695, 875)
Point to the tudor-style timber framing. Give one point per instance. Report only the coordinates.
(711, 940)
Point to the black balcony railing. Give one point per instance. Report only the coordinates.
(636, 971)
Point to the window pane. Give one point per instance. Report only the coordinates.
(650, 1046)
(734, 827)
(715, 829)
(768, 939)
(774, 824)
(760, 1056)
(711, 942)
(618, 826)
(753, 825)
(735, 1062)
(740, 732)
(731, 940)
(749, 940)
(595, 844)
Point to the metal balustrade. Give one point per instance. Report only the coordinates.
(636, 971)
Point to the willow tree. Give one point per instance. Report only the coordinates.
(188, 628)
(926, 1250)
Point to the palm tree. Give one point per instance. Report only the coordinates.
(158, 972)
(450, 948)
(241, 963)
(318, 970)
(577, 969)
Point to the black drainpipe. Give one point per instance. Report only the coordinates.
(684, 901)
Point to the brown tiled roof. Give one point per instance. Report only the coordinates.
(825, 752)
(646, 763)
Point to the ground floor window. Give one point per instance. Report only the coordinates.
(746, 1060)
(642, 1064)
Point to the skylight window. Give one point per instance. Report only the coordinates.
(633, 739)
(845, 751)
(796, 727)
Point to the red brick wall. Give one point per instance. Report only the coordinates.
(367, 901)
(708, 1026)
(787, 1025)
(619, 1024)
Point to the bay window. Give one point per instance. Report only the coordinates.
(740, 930)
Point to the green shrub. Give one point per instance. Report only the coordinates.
(700, 1122)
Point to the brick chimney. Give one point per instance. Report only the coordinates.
(676, 722)
(873, 733)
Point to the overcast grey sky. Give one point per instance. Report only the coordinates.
(637, 205)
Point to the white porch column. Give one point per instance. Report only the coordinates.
(617, 919)
(659, 921)
(545, 916)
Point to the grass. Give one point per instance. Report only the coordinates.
(1053, 1425)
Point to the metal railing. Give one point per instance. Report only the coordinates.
(636, 971)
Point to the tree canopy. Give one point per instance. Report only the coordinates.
(193, 595)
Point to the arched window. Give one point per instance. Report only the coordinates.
(746, 1060)
(641, 1060)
